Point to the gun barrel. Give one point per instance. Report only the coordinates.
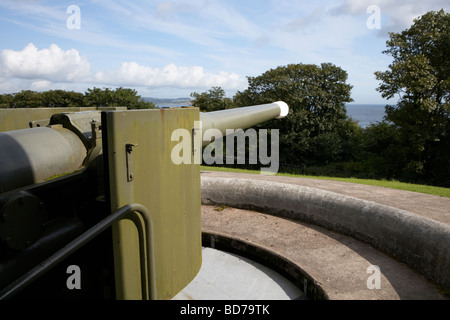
(64, 183)
(33, 155)
(242, 118)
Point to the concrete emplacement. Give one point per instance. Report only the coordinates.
(419, 245)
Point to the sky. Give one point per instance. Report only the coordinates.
(169, 49)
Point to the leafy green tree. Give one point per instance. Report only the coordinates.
(380, 154)
(212, 100)
(96, 97)
(420, 76)
(120, 97)
(27, 99)
(317, 130)
(6, 100)
(130, 98)
(61, 99)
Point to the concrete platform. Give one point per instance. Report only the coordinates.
(227, 276)
(327, 263)
(335, 266)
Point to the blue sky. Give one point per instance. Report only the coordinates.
(168, 49)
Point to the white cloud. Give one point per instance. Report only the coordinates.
(179, 44)
(40, 85)
(52, 64)
(41, 69)
(131, 73)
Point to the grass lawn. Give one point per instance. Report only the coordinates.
(438, 191)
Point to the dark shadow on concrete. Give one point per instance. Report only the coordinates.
(272, 260)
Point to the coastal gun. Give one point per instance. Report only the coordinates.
(93, 207)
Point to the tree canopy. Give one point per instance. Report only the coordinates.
(317, 128)
(120, 97)
(420, 77)
(212, 100)
(95, 97)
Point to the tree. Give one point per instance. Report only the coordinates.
(61, 99)
(317, 127)
(27, 99)
(379, 152)
(212, 100)
(420, 76)
(120, 97)
(6, 100)
(130, 98)
(95, 97)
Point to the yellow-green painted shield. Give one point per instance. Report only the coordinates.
(156, 255)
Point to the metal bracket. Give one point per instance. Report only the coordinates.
(128, 150)
(39, 123)
(96, 134)
(195, 146)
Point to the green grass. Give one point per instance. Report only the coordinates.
(437, 191)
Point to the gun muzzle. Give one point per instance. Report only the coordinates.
(242, 118)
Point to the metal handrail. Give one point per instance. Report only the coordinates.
(39, 270)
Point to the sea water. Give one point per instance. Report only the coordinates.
(366, 114)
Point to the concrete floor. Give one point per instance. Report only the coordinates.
(226, 276)
(303, 222)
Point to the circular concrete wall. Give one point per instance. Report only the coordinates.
(420, 242)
